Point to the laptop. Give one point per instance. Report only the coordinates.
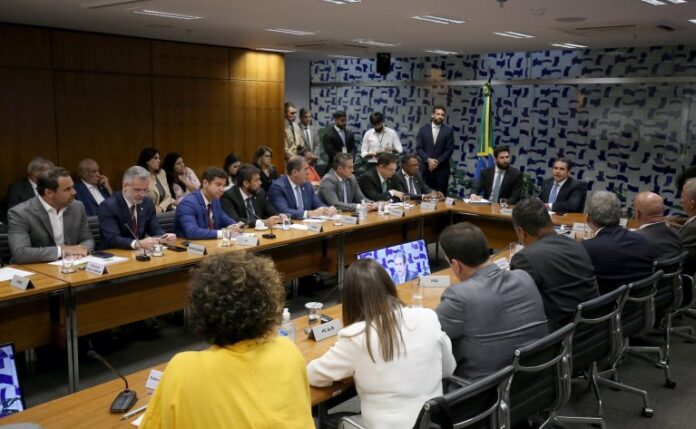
(11, 400)
(404, 262)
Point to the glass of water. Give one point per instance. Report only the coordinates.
(226, 237)
(503, 203)
(407, 201)
(158, 250)
(417, 294)
(313, 312)
(286, 220)
(68, 263)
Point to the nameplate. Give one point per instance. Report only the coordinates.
(449, 201)
(623, 222)
(349, 220)
(326, 330)
(20, 282)
(428, 206)
(506, 212)
(97, 268)
(435, 281)
(314, 227)
(579, 226)
(398, 212)
(153, 379)
(196, 249)
(247, 240)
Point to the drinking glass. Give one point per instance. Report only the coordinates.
(407, 201)
(226, 237)
(503, 203)
(286, 221)
(313, 312)
(68, 263)
(417, 294)
(158, 250)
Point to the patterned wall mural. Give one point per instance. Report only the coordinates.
(625, 137)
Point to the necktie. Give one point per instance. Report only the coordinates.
(305, 134)
(211, 224)
(134, 220)
(384, 186)
(496, 186)
(250, 209)
(345, 192)
(298, 198)
(411, 186)
(554, 194)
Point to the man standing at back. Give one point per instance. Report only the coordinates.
(499, 182)
(338, 138)
(292, 135)
(434, 146)
(312, 142)
(649, 213)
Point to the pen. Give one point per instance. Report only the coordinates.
(130, 414)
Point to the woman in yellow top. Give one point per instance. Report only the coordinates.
(249, 377)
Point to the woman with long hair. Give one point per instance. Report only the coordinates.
(182, 180)
(231, 167)
(397, 355)
(158, 188)
(263, 160)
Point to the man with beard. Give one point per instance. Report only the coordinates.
(499, 182)
(434, 146)
(379, 139)
(312, 141)
(338, 139)
(247, 202)
(292, 137)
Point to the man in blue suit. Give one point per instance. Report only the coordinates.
(293, 194)
(199, 216)
(93, 187)
(128, 212)
(434, 146)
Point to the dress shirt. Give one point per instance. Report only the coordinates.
(33, 186)
(385, 186)
(560, 185)
(498, 178)
(96, 194)
(56, 218)
(342, 135)
(689, 221)
(649, 224)
(246, 198)
(410, 183)
(436, 131)
(374, 142)
(207, 204)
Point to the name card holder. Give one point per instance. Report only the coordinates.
(398, 212)
(506, 212)
(428, 206)
(623, 222)
(579, 227)
(153, 379)
(247, 240)
(315, 227)
(196, 249)
(21, 283)
(325, 330)
(435, 281)
(449, 201)
(349, 220)
(98, 268)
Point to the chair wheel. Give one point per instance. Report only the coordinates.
(670, 383)
(648, 412)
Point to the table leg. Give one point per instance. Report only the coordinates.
(71, 341)
(341, 260)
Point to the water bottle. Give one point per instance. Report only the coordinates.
(361, 213)
(287, 328)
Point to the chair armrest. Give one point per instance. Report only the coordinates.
(348, 423)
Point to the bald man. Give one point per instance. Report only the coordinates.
(649, 211)
(93, 187)
(687, 235)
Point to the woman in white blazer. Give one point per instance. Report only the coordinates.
(398, 363)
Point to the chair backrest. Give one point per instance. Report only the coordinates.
(584, 196)
(166, 221)
(597, 335)
(5, 254)
(669, 295)
(477, 405)
(542, 375)
(638, 314)
(93, 222)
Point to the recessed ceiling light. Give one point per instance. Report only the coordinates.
(441, 52)
(568, 45)
(438, 19)
(293, 32)
(342, 1)
(514, 35)
(373, 43)
(163, 14)
(344, 57)
(278, 50)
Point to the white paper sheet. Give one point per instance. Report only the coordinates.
(89, 258)
(8, 272)
(481, 201)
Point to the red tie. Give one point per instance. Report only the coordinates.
(211, 224)
(134, 220)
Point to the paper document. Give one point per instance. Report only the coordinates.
(298, 227)
(481, 201)
(315, 220)
(89, 258)
(8, 272)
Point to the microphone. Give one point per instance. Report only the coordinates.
(143, 257)
(125, 399)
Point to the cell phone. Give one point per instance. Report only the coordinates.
(185, 243)
(103, 255)
(176, 248)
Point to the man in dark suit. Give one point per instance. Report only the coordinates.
(199, 216)
(25, 189)
(338, 188)
(490, 312)
(687, 234)
(559, 265)
(649, 213)
(619, 256)
(434, 146)
(376, 182)
(93, 187)
(128, 212)
(409, 180)
(562, 193)
(401, 272)
(312, 141)
(50, 226)
(338, 138)
(247, 202)
(499, 182)
(293, 194)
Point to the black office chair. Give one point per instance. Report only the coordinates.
(597, 338)
(541, 382)
(5, 254)
(686, 309)
(166, 221)
(637, 318)
(93, 222)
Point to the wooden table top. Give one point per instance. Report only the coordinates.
(42, 284)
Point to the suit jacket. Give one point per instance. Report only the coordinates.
(191, 218)
(233, 204)
(510, 188)
(266, 181)
(331, 192)
(563, 273)
(282, 198)
(664, 239)
(408, 276)
(570, 198)
(292, 138)
(441, 150)
(83, 194)
(619, 257)
(687, 237)
(315, 145)
(333, 144)
(30, 234)
(165, 200)
(18, 192)
(114, 215)
(400, 184)
(371, 186)
(488, 316)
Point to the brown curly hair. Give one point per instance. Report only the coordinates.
(234, 297)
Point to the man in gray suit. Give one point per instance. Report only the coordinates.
(339, 188)
(312, 141)
(649, 213)
(51, 225)
(687, 234)
(490, 312)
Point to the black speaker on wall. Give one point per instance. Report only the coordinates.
(383, 63)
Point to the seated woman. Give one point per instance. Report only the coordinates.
(397, 355)
(249, 377)
(312, 175)
(182, 180)
(158, 188)
(263, 160)
(231, 167)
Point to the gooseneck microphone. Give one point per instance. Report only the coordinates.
(142, 257)
(126, 398)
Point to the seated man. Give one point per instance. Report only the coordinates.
(25, 189)
(619, 256)
(490, 312)
(339, 188)
(376, 183)
(247, 202)
(562, 193)
(293, 194)
(401, 272)
(92, 188)
(687, 234)
(559, 265)
(47, 227)
(199, 215)
(649, 212)
(127, 218)
(500, 182)
(409, 180)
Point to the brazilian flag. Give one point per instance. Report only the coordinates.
(485, 136)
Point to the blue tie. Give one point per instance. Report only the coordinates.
(554, 194)
(298, 197)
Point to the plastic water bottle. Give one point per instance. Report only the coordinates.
(287, 328)
(361, 213)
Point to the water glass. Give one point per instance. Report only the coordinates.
(313, 312)
(68, 263)
(286, 221)
(158, 250)
(337, 220)
(503, 203)
(380, 207)
(417, 295)
(407, 201)
(226, 237)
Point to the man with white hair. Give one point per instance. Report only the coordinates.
(93, 187)
(25, 189)
(649, 213)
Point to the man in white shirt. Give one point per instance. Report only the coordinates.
(93, 187)
(379, 139)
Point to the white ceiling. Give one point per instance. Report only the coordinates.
(242, 23)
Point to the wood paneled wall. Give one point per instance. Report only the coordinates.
(69, 95)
